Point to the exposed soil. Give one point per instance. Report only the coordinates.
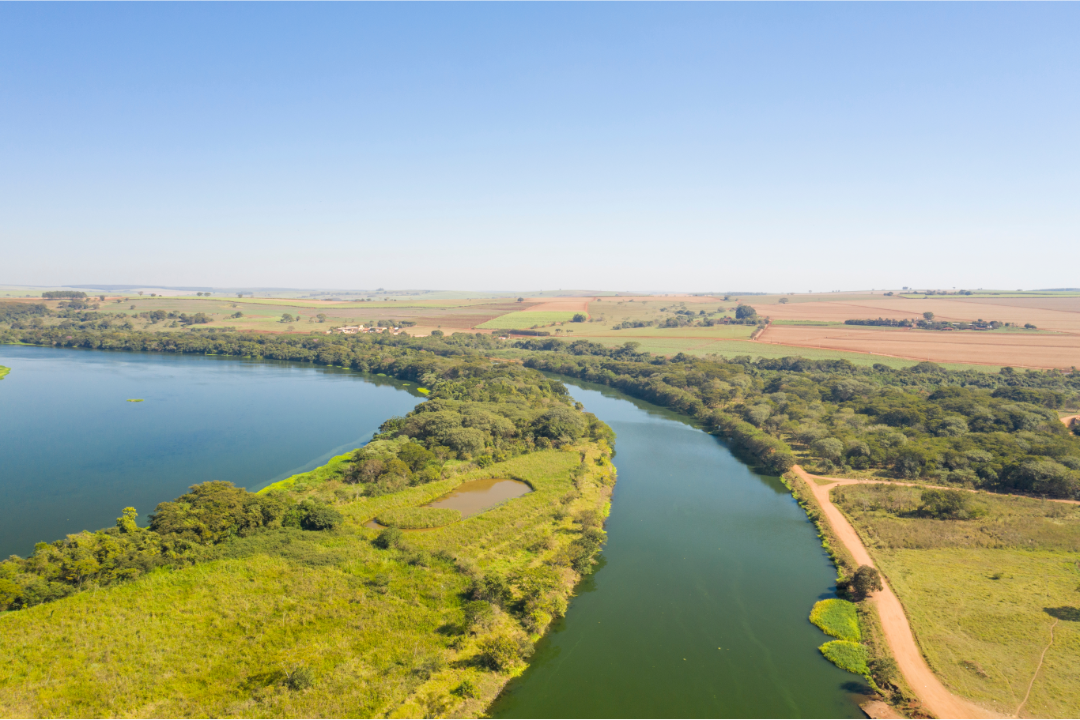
(1019, 349)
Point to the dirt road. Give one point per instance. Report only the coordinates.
(934, 696)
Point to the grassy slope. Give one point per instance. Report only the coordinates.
(375, 626)
(977, 594)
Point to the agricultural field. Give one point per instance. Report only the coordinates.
(526, 319)
(807, 325)
(986, 594)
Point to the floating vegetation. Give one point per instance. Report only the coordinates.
(846, 655)
(422, 390)
(135, 400)
(838, 618)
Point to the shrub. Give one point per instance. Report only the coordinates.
(847, 655)
(501, 652)
(467, 689)
(948, 505)
(300, 679)
(838, 618)
(314, 515)
(388, 538)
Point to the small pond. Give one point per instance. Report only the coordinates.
(475, 496)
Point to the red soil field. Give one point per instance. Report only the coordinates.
(1020, 349)
(1060, 314)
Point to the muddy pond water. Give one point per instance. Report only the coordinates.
(472, 497)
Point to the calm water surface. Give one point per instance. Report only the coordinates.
(74, 452)
(698, 609)
(700, 606)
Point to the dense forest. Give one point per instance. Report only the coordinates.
(997, 432)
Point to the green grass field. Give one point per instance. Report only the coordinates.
(526, 319)
(381, 632)
(983, 595)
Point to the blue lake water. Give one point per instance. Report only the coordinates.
(698, 609)
(74, 452)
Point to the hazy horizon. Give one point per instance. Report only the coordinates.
(792, 147)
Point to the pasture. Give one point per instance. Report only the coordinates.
(984, 594)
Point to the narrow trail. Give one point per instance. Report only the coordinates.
(1037, 669)
(934, 696)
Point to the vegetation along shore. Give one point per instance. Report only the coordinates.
(962, 430)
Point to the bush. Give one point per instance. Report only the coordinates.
(847, 655)
(502, 652)
(838, 618)
(418, 518)
(948, 505)
(467, 689)
(314, 515)
(389, 538)
(300, 679)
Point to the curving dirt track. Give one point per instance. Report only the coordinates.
(934, 696)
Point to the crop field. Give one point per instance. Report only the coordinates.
(1019, 349)
(983, 595)
(526, 319)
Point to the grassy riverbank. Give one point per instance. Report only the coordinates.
(984, 594)
(4, 371)
(381, 631)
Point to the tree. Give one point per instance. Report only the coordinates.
(745, 312)
(321, 317)
(240, 295)
(828, 448)
(928, 315)
(783, 301)
(579, 317)
(521, 299)
(865, 581)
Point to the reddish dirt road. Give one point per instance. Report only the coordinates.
(934, 696)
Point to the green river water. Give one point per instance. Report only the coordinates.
(699, 607)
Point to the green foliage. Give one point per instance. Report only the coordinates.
(949, 505)
(838, 618)
(501, 652)
(301, 678)
(964, 428)
(418, 518)
(865, 581)
(847, 655)
(389, 538)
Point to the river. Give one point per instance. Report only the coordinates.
(698, 609)
(700, 606)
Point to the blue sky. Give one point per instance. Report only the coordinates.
(694, 147)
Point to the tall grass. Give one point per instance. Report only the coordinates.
(380, 631)
(982, 594)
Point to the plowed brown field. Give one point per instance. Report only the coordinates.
(1060, 314)
(575, 305)
(1020, 349)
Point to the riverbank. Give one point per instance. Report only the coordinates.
(933, 695)
(263, 618)
(4, 371)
